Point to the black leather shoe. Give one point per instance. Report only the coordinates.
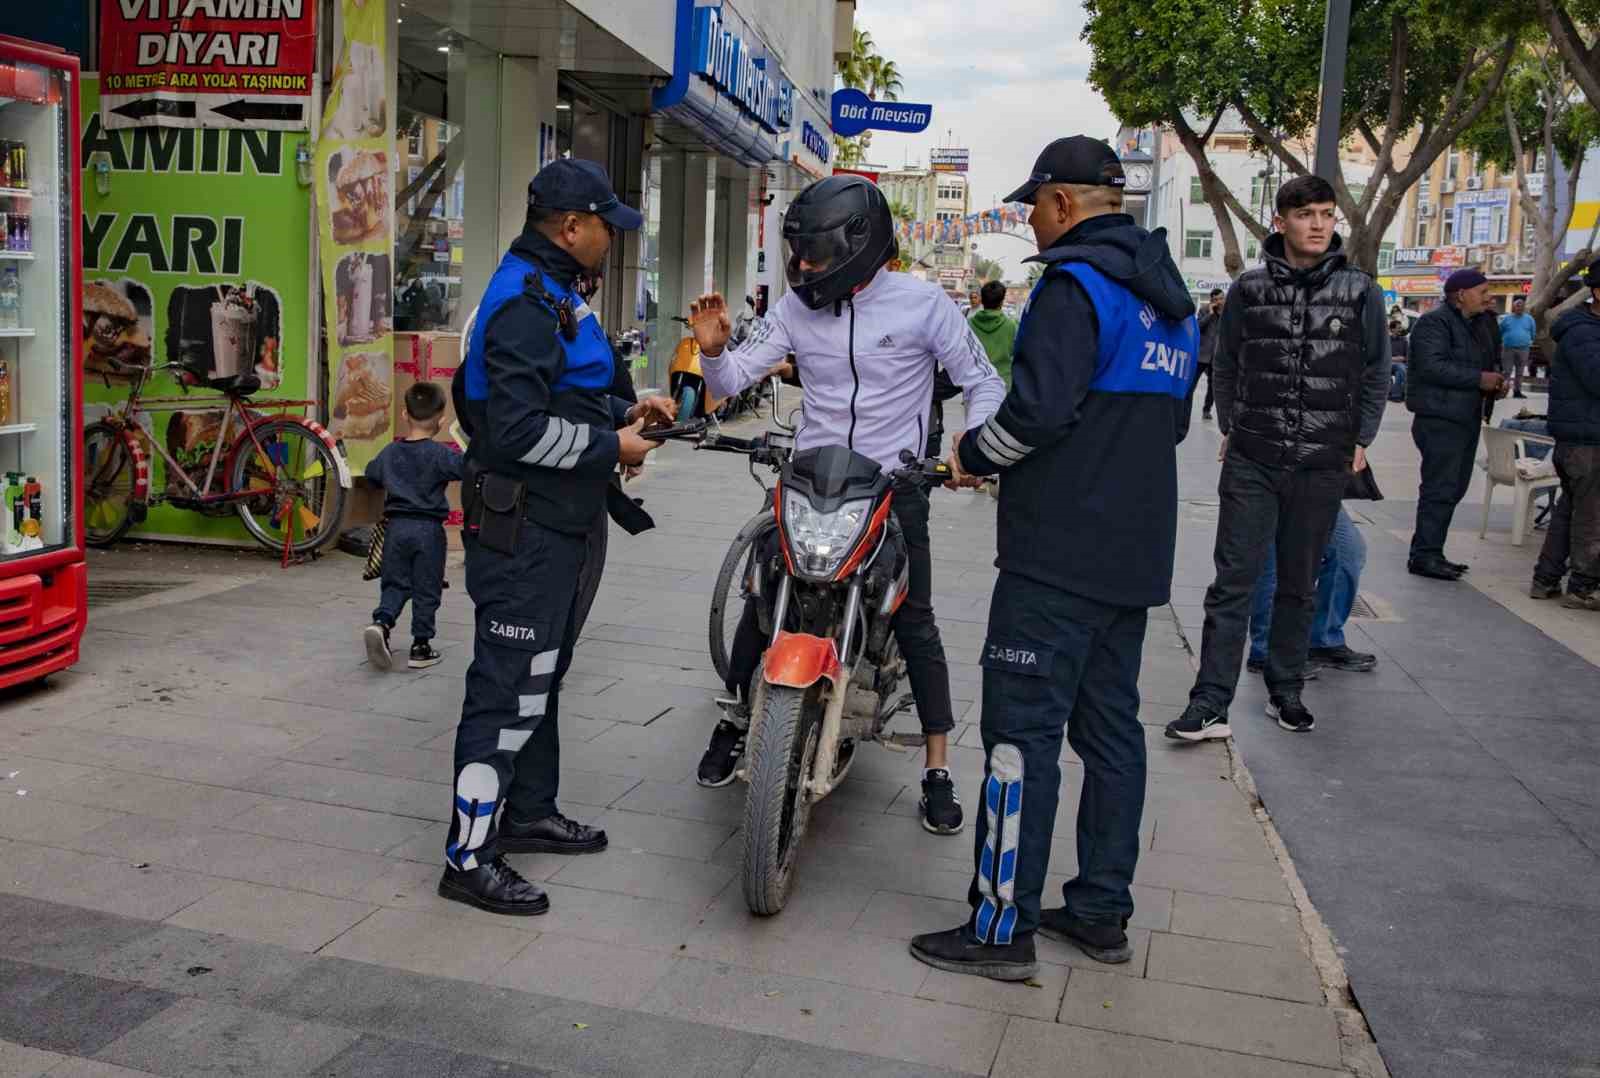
(553, 834)
(1103, 941)
(1433, 569)
(956, 951)
(495, 887)
(1461, 567)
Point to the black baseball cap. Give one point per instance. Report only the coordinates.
(572, 183)
(1076, 159)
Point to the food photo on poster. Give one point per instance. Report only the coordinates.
(117, 329)
(363, 395)
(227, 330)
(358, 189)
(362, 287)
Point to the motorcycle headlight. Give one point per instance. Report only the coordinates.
(820, 541)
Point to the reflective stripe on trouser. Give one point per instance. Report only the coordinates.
(508, 754)
(1057, 668)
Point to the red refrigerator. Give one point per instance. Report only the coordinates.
(43, 598)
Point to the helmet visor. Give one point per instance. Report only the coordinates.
(814, 254)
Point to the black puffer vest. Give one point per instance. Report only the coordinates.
(1297, 403)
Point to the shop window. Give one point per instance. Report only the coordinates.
(1197, 243)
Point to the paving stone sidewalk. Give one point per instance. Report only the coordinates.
(219, 838)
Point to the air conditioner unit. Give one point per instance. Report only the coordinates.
(1447, 187)
(1474, 183)
(1502, 263)
(1425, 210)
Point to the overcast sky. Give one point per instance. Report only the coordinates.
(1005, 77)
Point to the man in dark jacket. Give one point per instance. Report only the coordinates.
(1086, 438)
(1454, 365)
(534, 396)
(1210, 329)
(1302, 371)
(1575, 423)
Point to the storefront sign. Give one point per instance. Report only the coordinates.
(855, 112)
(186, 259)
(816, 141)
(948, 160)
(1430, 256)
(1418, 286)
(354, 174)
(207, 63)
(1206, 284)
(723, 58)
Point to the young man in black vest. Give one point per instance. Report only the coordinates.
(1302, 376)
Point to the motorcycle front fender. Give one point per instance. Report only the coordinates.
(800, 660)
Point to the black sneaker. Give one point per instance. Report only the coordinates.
(423, 655)
(721, 758)
(376, 637)
(1290, 713)
(1205, 413)
(1103, 941)
(956, 951)
(1259, 666)
(940, 807)
(1200, 722)
(1342, 658)
(495, 887)
(553, 834)
(1540, 590)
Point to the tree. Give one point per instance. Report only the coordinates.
(875, 76)
(1571, 25)
(987, 269)
(1542, 113)
(1420, 72)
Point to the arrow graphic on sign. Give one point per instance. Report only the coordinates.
(244, 110)
(146, 107)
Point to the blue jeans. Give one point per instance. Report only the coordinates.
(1397, 381)
(1337, 583)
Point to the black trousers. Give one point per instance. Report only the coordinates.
(507, 749)
(413, 569)
(1204, 371)
(1579, 469)
(915, 629)
(1293, 512)
(1054, 663)
(1448, 449)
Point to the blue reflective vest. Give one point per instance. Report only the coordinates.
(588, 357)
(1140, 351)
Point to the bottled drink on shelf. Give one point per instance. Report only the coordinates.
(5, 392)
(10, 298)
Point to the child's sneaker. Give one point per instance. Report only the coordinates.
(376, 637)
(423, 655)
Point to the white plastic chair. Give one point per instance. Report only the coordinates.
(1502, 448)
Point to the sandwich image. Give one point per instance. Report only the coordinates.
(362, 396)
(115, 340)
(361, 190)
(191, 439)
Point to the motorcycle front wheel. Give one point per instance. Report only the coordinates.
(780, 762)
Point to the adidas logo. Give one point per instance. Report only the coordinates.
(886, 341)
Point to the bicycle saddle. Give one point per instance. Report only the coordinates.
(241, 385)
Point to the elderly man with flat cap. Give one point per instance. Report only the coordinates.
(535, 396)
(1086, 438)
(1454, 371)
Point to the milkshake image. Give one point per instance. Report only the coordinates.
(360, 328)
(233, 334)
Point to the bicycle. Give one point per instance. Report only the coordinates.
(280, 472)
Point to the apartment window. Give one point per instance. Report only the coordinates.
(1452, 164)
(1500, 225)
(1447, 232)
(1197, 194)
(1252, 251)
(1358, 191)
(1197, 243)
(1263, 193)
(1422, 233)
(1424, 188)
(1386, 258)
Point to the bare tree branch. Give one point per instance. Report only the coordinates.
(1217, 195)
(1399, 56)
(1272, 142)
(1582, 59)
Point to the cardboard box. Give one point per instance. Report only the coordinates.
(425, 357)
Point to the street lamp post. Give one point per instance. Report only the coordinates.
(1335, 49)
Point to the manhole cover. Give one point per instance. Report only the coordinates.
(1363, 609)
(110, 592)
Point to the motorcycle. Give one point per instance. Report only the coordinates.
(686, 383)
(829, 680)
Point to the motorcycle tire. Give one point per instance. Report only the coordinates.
(779, 763)
(727, 598)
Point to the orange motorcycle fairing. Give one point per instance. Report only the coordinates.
(800, 660)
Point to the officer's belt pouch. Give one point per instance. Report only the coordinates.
(500, 504)
(627, 512)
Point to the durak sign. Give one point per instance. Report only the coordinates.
(726, 60)
(855, 112)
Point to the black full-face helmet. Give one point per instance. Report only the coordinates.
(839, 232)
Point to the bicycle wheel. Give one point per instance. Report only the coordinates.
(110, 485)
(296, 497)
(727, 598)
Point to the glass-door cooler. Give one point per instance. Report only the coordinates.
(42, 576)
